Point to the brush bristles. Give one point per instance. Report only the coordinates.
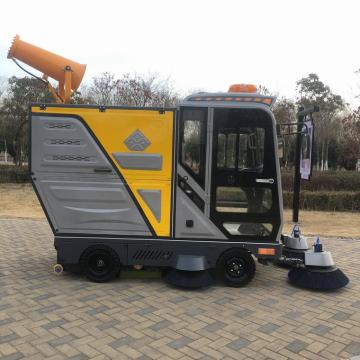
(189, 279)
(282, 264)
(325, 280)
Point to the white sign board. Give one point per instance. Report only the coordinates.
(306, 150)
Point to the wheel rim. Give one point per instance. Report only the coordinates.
(100, 264)
(235, 267)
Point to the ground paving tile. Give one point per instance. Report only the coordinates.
(44, 316)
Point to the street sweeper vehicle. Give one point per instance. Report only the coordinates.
(193, 190)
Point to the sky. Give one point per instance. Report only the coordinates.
(198, 45)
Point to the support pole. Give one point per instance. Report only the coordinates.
(54, 94)
(67, 85)
(301, 115)
(297, 176)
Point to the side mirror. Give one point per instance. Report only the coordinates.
(281, 148)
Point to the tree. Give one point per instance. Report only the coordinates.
(351, 140)
(14, 113)
(312, 91)
(102, 89)
(3, 82)
(263, 90)
(335, 155)
(135, 90)
(285, 113)
(81, 97)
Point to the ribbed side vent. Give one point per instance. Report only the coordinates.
(64, 142)
(59, 126)
(152, 255)
(70, 158)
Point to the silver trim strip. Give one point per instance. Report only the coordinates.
(265, 181)
(139, 161)
(172, 240)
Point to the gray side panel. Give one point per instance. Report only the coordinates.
(77, 198)
(198, 189)
(63, 145)
(153, 201)
(91, 206)
(187, 210)
(191, 263)
(139, 161)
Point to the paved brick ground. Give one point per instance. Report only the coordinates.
(65, 317)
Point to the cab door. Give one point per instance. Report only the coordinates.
(244, 183)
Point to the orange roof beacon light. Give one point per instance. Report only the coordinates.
(242, 88)
(68, 73)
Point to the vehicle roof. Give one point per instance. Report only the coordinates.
(229, 98)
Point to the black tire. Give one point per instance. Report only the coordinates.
(100, 263)
(236, 267)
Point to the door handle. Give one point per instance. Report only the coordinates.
(265, 181)
(102, 170)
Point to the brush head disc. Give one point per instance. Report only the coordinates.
(326, 279)
(189, 279)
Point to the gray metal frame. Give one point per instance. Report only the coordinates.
(153, 253)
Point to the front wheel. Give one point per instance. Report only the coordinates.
(236, 267)
(100, 263)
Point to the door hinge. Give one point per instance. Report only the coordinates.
(265, 181)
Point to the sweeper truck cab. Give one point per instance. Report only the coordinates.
(193, 190)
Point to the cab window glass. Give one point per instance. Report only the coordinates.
(251, 149)
(250, 200)
(241, 149)
(193, 142)
(231, 151)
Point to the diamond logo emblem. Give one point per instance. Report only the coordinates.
(137, 141)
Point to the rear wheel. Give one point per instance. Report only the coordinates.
(236, 267)
(100, 263)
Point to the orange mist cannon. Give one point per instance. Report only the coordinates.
(67, 72)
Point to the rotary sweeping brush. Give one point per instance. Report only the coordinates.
(325, 279)
(319, 272)
(189, 279)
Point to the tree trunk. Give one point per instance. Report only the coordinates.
(327, 155)
(318, 157)
(5, 152)
(17, 143)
